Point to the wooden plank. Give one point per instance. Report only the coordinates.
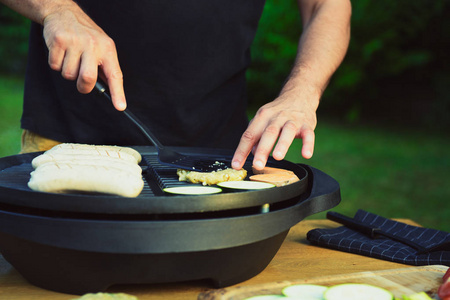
(404, 281)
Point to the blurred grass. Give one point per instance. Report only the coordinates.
(396, 173)
(11, 94)
(393, 172)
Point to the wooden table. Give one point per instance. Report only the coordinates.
(296, 259)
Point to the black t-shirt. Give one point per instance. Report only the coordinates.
(184, 66)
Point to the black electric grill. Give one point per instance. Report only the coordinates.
(79, 243)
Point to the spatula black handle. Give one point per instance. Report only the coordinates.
(101, 88)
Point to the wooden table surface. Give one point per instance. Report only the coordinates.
(296, 259)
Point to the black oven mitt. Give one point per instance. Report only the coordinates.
(349, 240)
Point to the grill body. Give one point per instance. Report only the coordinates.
(101, 240)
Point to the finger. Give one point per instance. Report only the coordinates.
(71, 65)
(255, 144)
(114, 78)
(249, 139)
(55, 58)
(308, 138)
(87, 76)
(115, 83)
(265, 145)
(243, 150)
(287, 136)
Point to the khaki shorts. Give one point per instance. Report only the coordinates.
(33, 142)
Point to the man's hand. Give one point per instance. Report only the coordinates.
(78, 48)
(286, 118)
(322, 47)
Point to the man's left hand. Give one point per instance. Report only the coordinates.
(292, 115)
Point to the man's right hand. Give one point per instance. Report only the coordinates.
(78, 48)
(82, 51)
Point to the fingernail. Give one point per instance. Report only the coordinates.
(307, 154)
(258, 164)
(121, 105)
(277, 155)
(235, 165)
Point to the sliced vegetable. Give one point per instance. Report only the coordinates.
(357, 291)
(280, 179)
(271, 170)
(305, 291)
(107, 296)
(245, 185)
(265, 297)
(193, 190)
(418, 296)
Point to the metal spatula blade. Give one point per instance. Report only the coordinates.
(166, 155)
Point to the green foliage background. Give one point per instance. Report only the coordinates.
(13, 41)
(397, 68)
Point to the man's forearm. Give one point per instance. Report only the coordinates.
(322, 46)
(38, 10)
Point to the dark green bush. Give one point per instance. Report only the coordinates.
(396, 68)
(13, 41)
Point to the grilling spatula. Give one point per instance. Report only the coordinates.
(166, 155)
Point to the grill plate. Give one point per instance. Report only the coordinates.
(15, 173)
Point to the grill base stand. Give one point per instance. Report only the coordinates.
(79, 272)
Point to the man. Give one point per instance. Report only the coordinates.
(182, 65)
